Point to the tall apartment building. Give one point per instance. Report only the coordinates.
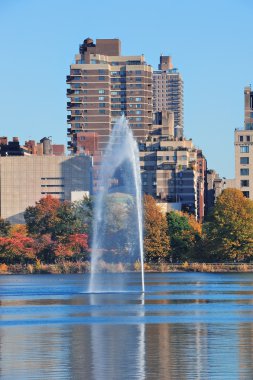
(103, 84)
(25, 180)
(243, 141)
(168, 92)
(169, 166)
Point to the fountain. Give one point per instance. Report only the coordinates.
(117, 228)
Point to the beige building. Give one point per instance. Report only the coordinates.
(243, 141)
(25, 180)
(103, 84)
(168, 92)
(169, 166)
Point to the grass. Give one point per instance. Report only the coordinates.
(84, 267)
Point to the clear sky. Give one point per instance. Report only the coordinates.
(210, 43)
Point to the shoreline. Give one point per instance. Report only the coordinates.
(84, 267)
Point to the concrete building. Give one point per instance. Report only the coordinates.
(25, 180)
(243, 142)
(201, 185)
(169, 166)
(168, 92)
(214, 187)
(103, 84)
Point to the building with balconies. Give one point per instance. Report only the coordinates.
(168, 92)
(103, 84)
(169, 166)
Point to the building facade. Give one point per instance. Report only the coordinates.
(25, 180)
(168, 92)
(169, 167)
(243, 142)
(102, 86)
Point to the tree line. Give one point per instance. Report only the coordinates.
(56, 231)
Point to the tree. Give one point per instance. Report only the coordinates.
(51, 216)
(156, 240)
(4, 227)
(184, 232)
(17, 249)
(229, 228)
(42, 218)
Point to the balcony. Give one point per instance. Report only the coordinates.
(69, 78)
(70, 91)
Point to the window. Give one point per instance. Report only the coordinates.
(138, 112)
(101, 98)
(240, 138)
(244, 149)
(244, 160)
(247, 138)
(245, 182)
(101, 105)
(138, 99)
(101, 91)
(101, 71)
(101, 78)
(137, 79)
(138, 119)
(102, 112)
(246, 194)
(244, 171)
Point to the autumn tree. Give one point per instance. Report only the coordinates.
(17, 249)
(42, 218)
(184, 232)
(51, 216)
(156, 241)
(229, 228)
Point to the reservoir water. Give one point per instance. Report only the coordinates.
(185, 326)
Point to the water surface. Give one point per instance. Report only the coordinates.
(185, 326)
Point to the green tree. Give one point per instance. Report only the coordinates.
(51, 216)
(4, 227)
(156, 240)
(185, 233)
(229, 228)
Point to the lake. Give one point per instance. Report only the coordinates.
(185, 326)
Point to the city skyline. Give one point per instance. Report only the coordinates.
(207, 42)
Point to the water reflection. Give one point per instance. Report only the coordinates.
(184, 327)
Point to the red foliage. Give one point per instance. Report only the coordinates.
(17, 248)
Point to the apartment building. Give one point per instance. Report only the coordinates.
(243, 142)
(169, 166)
(24, 180)
(103, 84)
(168, 92)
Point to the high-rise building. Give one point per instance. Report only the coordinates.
(103, 84)
(244, 148)
(169, 167)
(168, 92)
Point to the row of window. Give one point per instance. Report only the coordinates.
(244, 138)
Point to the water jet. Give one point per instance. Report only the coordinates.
(118, 221)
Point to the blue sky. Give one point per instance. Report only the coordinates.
(210, 43)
